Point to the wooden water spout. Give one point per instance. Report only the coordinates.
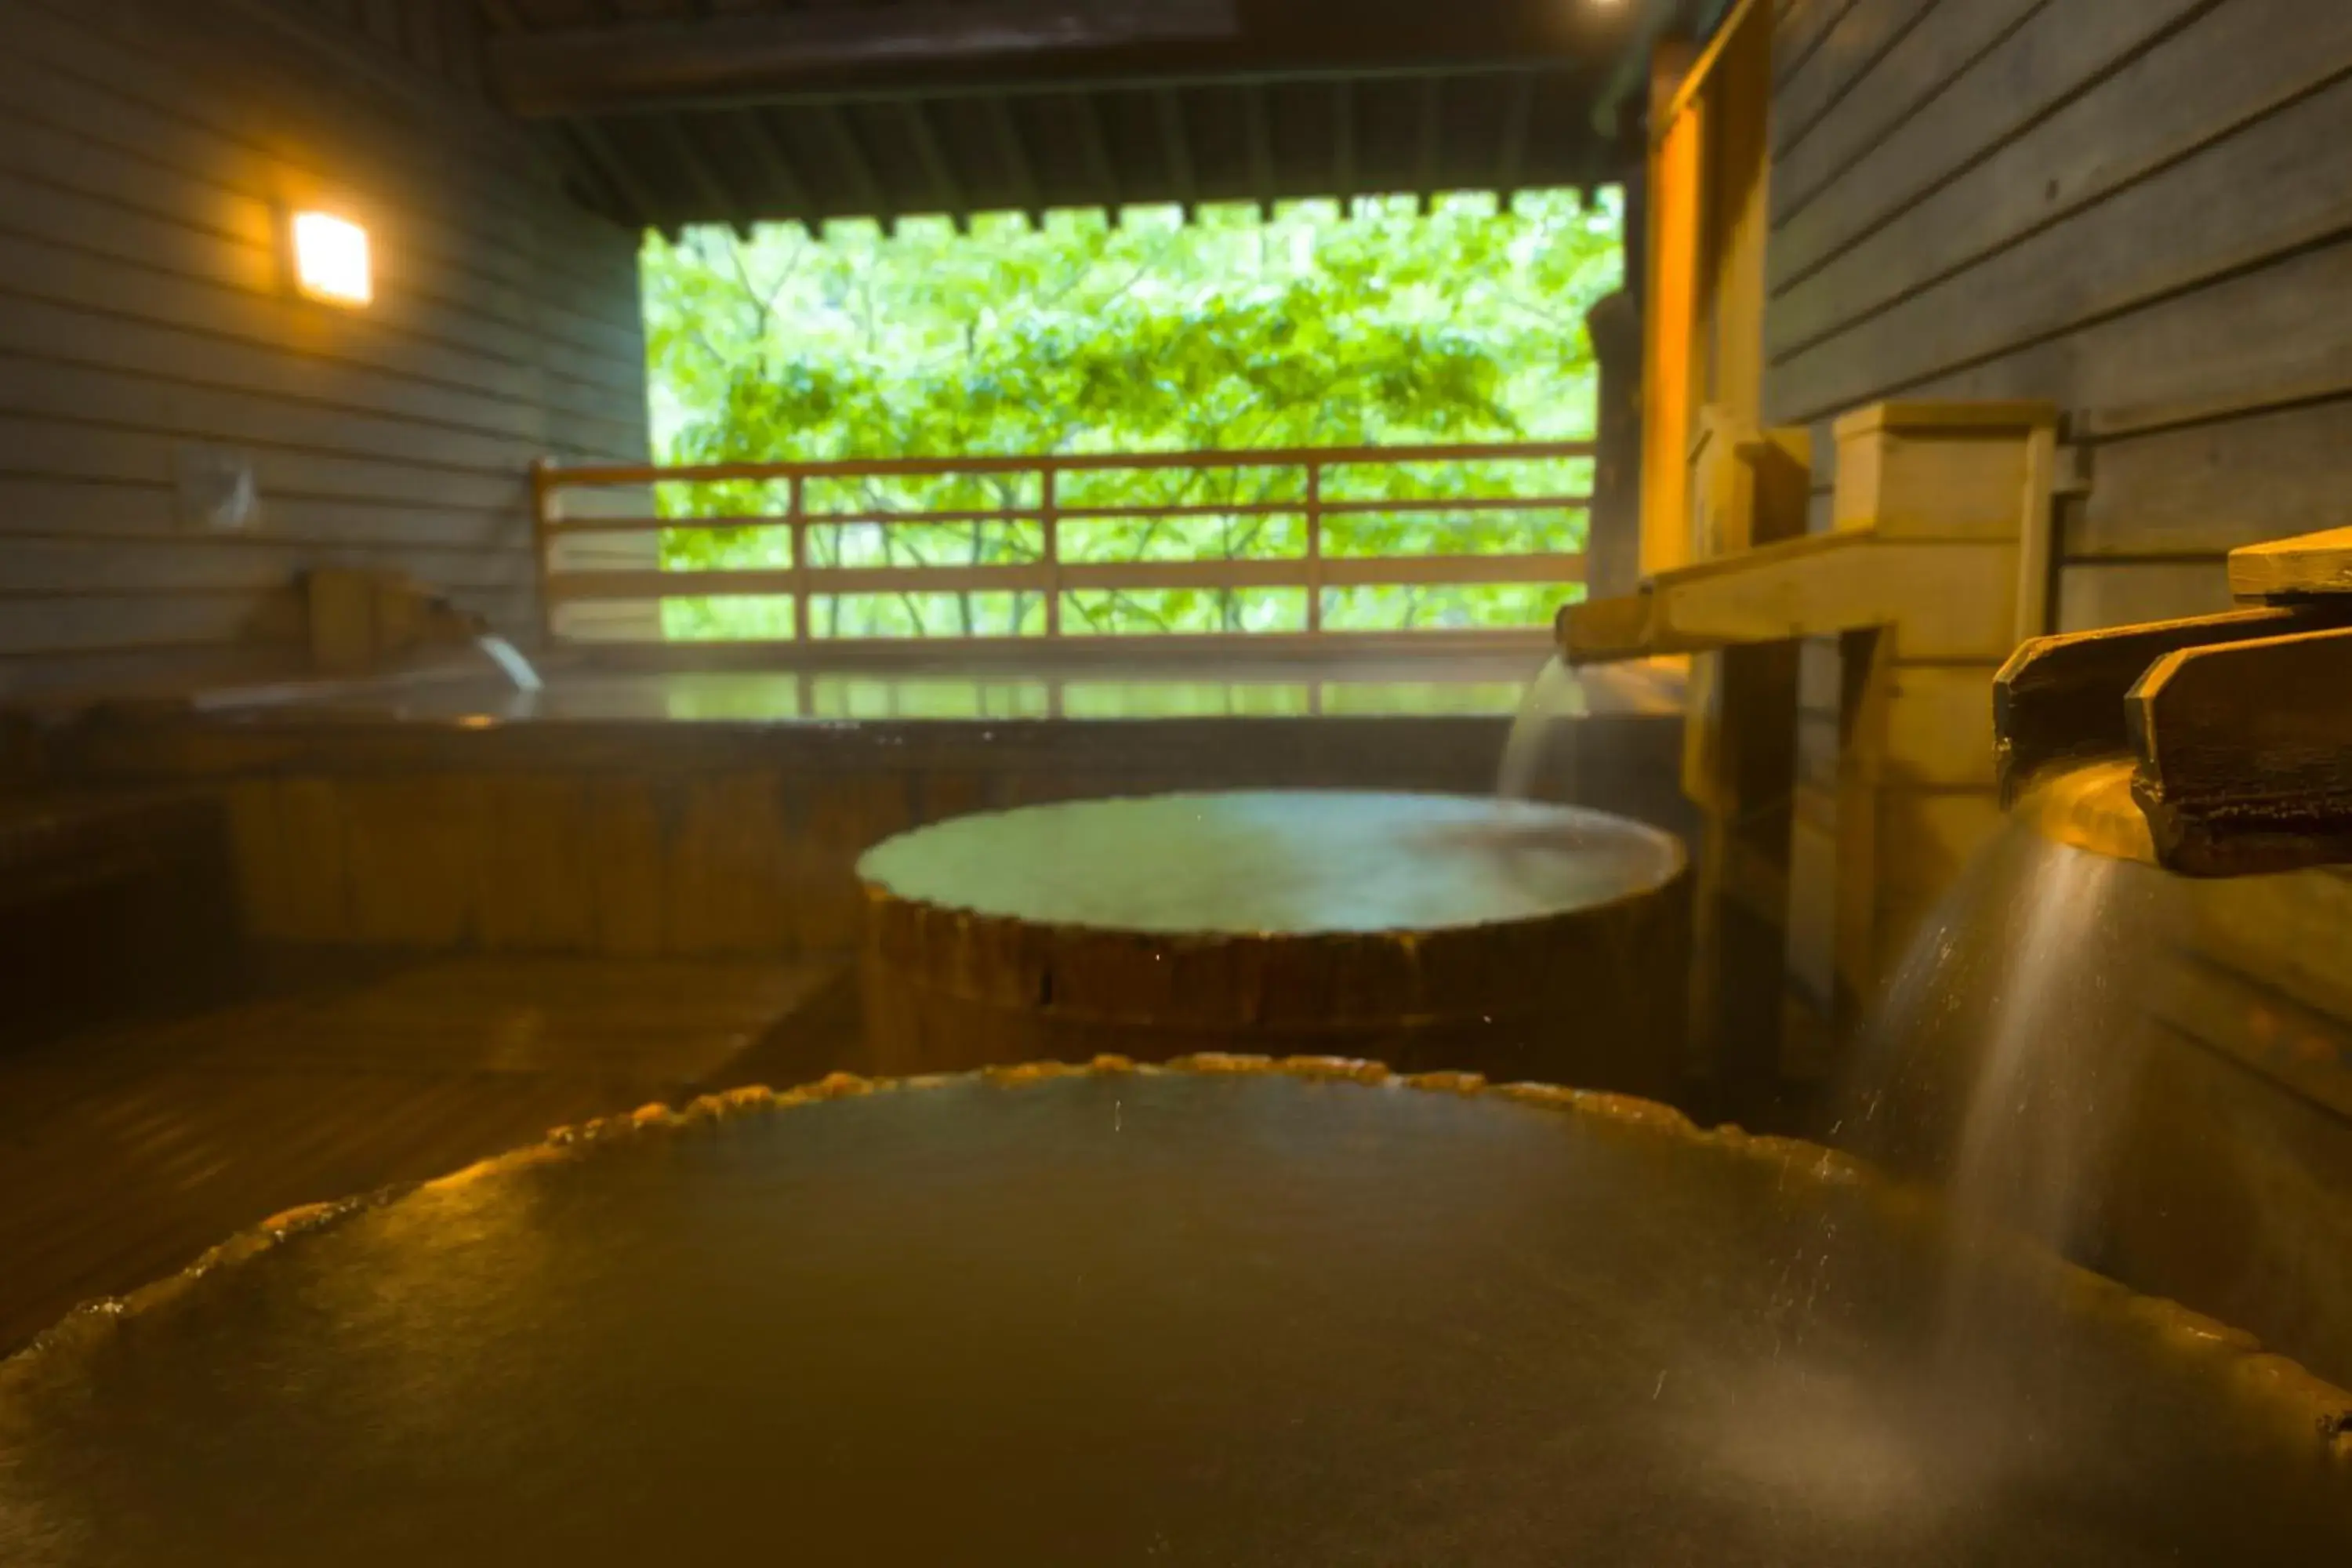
(2236, 730)
(1849, 670)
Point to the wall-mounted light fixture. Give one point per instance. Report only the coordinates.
(330, 259)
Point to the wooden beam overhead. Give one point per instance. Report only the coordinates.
(1343, 146)
(936, 168)
(647, 65)
(782, 175)
(1176, 147)
(1257, 116)
(717, 195)
(1518, 113)
(1432, 134)
(860, 167)
(1102, 175)
(1014, 153)
(639, 207)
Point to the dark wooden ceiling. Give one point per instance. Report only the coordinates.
(738, 112)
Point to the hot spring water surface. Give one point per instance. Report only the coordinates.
(1122, 1317)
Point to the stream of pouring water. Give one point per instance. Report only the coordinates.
(2033, 1127)
(511, 661)
(1552, 696)
(2002, 1064)
(1998, 1065)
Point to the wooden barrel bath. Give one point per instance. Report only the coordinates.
(1112, 1315)
(1426, 932)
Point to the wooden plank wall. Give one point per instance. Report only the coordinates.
(148, 152)
(2139, 211)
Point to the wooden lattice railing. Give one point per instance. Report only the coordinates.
(1299, 522)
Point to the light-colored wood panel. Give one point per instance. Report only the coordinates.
(88, 218)
(128, 400)
(1926, 836)
(281, 321)
(30, 567)
(1953, 600)
(87, 623)
(77, 511)
(125, 203)
(2254, 195)
(173, 622)
(1852, 47)
(1939, 726)
(474, 251)
(2205, 489)
(288, 127)
(74, 674)
(59, 450)
(41, 329)
(2038, 68)
(1946, 39)
(2116, 593)
(2264, 338)
(1944, 486)
(2306, 565)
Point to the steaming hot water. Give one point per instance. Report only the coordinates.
(1224, 1312)
(1553, 696)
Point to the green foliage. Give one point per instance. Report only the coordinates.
(1390, 326)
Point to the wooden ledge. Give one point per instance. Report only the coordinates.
(1955, 599)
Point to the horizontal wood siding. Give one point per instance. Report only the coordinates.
(2137, 212)
(146, 166)
(2141, 210)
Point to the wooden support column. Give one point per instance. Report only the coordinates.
(1748, 489)
(1895, 772)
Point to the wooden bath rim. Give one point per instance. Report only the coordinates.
(2235, 1358)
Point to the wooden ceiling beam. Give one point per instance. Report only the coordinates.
(1344, 178)
(1176, 148)
(639, 208)
(715, 192)
(1256, 115)
(1014, 152)
(1102, 173)
(768, 151)
(936, 168)
(743, 55)
(1519, 114)
(871, 196)
(1431, 141)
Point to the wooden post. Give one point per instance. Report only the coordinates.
(1050, 524)
(542, 487)
(1314, 546)
(2037, 534)
(804, 621)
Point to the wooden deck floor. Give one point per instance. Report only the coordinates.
(125, 1153)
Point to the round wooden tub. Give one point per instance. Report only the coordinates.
(1229, 1315)
(1425, 931)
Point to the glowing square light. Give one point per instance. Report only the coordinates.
(330, 259)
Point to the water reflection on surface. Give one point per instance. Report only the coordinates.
(783, 696)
